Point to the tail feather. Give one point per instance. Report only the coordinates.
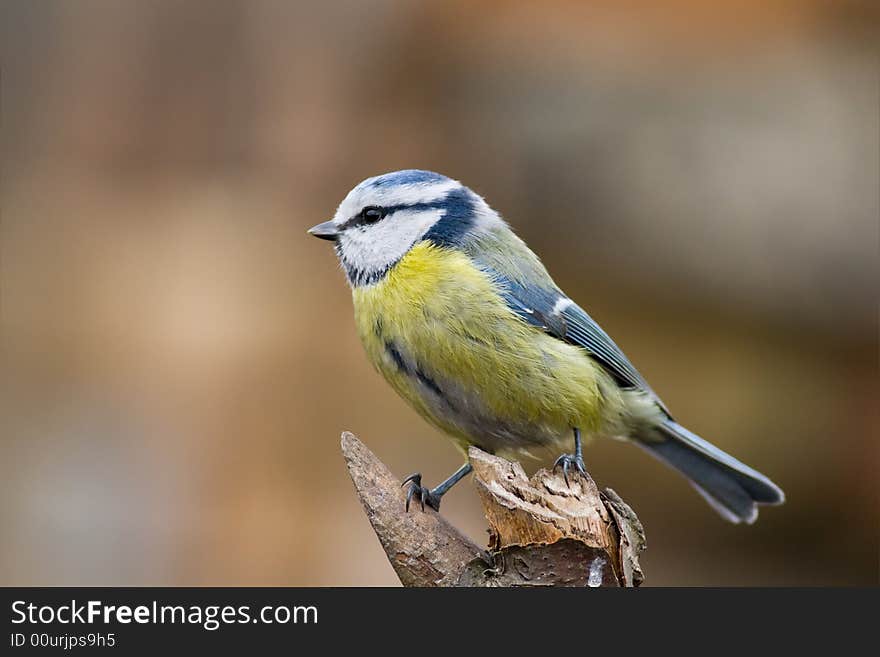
(732, 488)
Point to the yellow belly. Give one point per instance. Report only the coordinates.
(438, 331)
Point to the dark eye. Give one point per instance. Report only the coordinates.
(372, 214)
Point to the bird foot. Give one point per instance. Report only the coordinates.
(567, 461)
(422, 494)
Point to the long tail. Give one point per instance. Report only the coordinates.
(732, 488)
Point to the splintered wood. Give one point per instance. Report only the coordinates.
(542, 531)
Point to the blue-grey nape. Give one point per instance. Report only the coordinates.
(459, 216)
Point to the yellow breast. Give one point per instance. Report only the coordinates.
(440, 333)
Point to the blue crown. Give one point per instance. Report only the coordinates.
(405, 177)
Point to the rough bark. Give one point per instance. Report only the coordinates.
(542, 531)
(423, 548)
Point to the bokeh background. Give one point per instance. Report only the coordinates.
(179, 357)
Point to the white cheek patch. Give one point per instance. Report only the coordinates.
(372, 249)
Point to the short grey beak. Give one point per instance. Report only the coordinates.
(326, 231)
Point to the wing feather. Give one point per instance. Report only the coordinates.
(570, 323)
(531, 293)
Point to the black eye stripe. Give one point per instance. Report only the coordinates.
(360, 220)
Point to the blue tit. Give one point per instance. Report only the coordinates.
(465, 323)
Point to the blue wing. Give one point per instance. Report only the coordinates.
(531, 293)
(553, 312)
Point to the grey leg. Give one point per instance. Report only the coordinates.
(432, 497)
(576, 459)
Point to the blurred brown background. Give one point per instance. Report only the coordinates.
(179, 358)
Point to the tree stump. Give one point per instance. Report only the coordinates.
(542, 531)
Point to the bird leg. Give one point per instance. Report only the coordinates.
(432, 496)
(576, 459)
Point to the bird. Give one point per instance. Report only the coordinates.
(466, 324)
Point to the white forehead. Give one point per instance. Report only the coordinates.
(401, 188)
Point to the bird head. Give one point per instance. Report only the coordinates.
(383, 217)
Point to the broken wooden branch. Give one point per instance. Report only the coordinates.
(542, 531)
(423, 548)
